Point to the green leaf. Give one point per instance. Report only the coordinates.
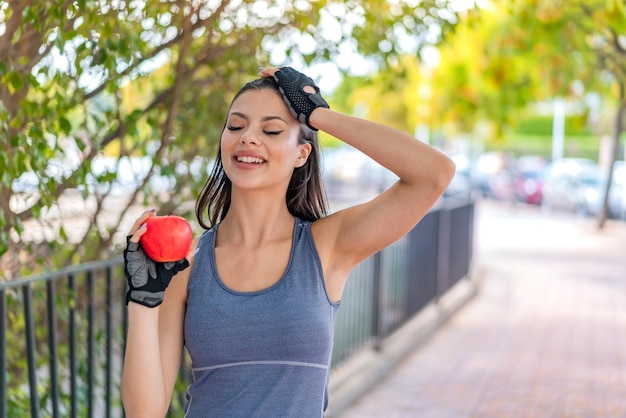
(14, 81)
(62, 233)
(65, 125)
(19, 228)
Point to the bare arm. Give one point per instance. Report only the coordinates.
(154, 346)
(345, 238)
(153, 354)
(351, 235)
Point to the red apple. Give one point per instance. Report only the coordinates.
(167, 238)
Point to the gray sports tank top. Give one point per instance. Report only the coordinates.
(264, 353)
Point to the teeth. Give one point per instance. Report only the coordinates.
(252, 160)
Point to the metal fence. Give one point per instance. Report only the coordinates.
(61, 342)
(387, 289)
(62, 336)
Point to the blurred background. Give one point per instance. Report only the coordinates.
(111, 107)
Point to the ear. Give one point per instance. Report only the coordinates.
(304, 152)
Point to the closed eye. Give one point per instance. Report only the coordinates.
(233, 128)
(273, 132)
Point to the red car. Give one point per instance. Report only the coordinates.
(529, 179)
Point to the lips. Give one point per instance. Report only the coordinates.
(249, 158)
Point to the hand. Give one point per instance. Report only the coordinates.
(147, 279)
(299, 92)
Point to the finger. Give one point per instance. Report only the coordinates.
(136, 236)
(268, 71)
(141, 220)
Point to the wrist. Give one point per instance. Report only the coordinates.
(138, 310)
(317, 116)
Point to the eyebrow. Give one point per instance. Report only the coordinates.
(266, 118)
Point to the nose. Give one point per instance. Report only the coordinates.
(249, 137)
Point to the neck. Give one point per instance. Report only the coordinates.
(254, 219)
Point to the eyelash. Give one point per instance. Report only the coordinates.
(237, 128)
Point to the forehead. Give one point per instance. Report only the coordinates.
(263, 101)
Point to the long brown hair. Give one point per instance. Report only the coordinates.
(305, 196)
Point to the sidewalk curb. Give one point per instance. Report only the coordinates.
(350, 381)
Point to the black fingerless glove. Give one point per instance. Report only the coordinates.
(301, 104)
(147, 279)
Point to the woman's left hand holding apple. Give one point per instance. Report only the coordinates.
(147, 279)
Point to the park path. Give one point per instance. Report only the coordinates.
(545, 337)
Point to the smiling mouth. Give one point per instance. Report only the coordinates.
(250, 160)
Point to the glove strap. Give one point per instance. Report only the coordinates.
(318, 101)
(149, 299)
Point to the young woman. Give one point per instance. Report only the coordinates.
(256, 309)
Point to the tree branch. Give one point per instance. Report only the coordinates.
(162, 47)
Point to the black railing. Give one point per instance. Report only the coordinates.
(387, 289)
(61, 342)
(62, 336)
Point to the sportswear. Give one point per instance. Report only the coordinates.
(265, 353)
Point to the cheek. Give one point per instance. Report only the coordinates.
(225, 151)
(226, 141)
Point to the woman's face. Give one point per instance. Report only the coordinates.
(259, 146)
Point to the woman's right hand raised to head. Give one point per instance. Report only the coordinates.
(147, 279)
(299, 92)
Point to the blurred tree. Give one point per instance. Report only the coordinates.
(518, 52)
(486, 73)
(384, 97)
(92, 89)
(583, 41)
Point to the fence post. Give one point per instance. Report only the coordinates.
(30, 350)
(443, 252)
(91, 344)
(3, 353)
(108, 386)
(73, 346)
(377, 301)
(52, 344)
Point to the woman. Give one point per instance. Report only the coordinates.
(256, 309)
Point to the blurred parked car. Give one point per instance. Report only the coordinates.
(565, 183)
(492, 175)
(529, 179)
(579, 185)
(594, 194)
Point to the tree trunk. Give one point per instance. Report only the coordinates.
(619, 125)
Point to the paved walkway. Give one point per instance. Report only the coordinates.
(546, 336)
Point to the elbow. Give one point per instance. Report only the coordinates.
(445, 174)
